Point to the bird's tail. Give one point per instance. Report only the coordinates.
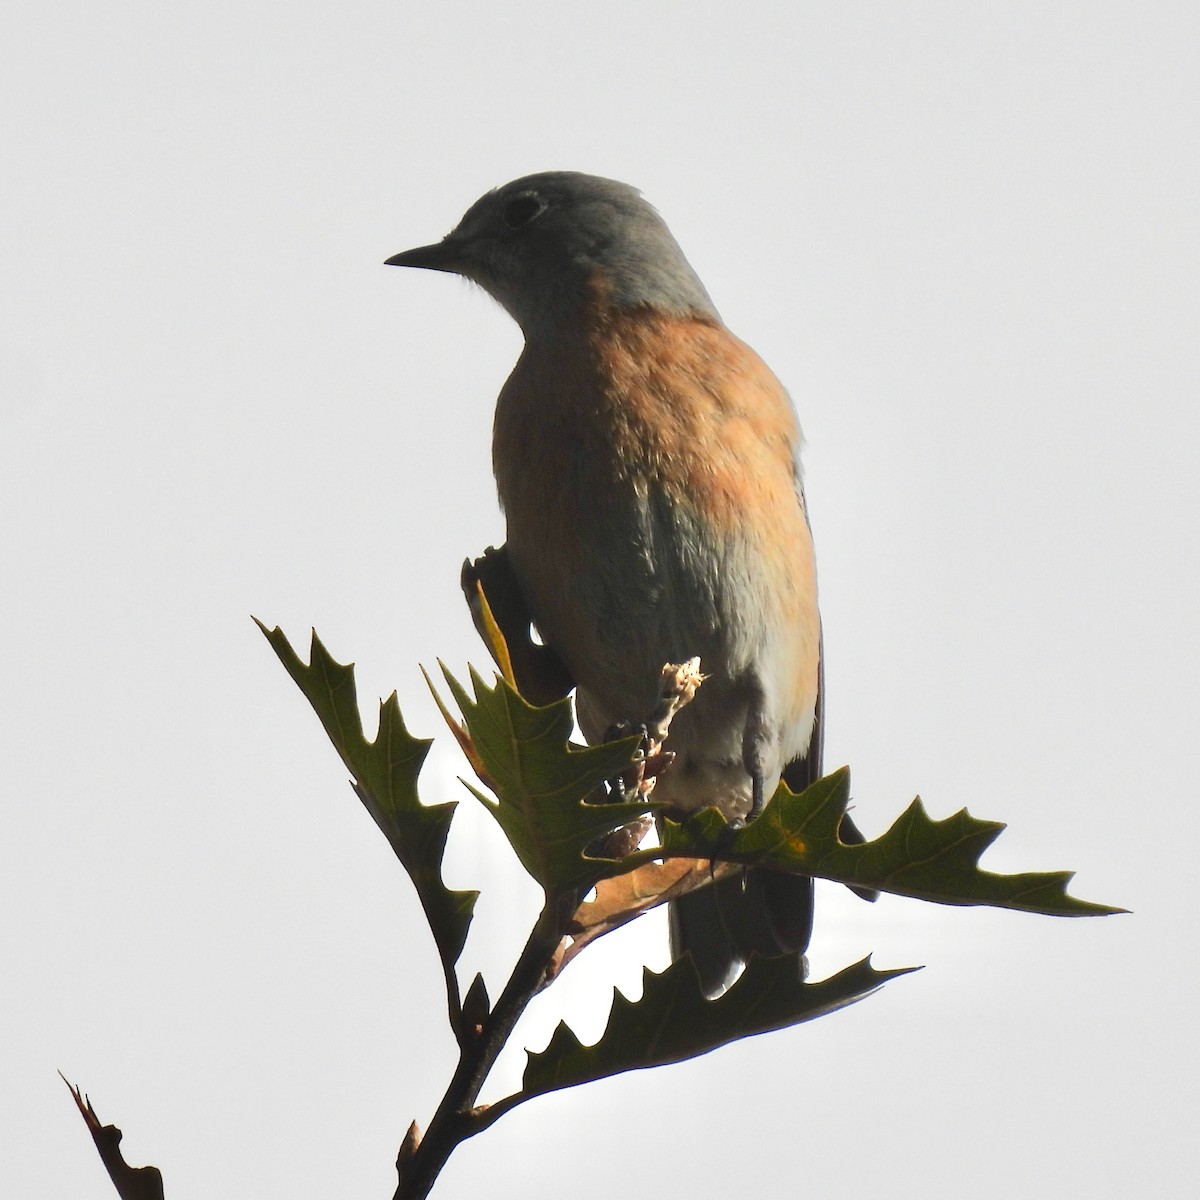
(754, 912)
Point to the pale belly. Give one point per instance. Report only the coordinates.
(638, 585)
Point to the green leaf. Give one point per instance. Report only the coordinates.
(917, 856)
(385, 777)
(539, 777)
(673, 1020)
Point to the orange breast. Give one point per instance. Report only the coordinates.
(648, 475)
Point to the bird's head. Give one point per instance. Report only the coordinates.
(546, 245)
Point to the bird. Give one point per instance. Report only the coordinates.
(647, 463)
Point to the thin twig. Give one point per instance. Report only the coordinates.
(456, 1119)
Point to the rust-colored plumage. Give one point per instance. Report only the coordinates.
(648, 473)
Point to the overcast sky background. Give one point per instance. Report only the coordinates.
(964, 235)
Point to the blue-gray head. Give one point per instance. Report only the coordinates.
(545, 244)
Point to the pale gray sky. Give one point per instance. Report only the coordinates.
(963, 234)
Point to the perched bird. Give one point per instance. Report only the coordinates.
(647, 462)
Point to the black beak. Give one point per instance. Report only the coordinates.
(441, 256)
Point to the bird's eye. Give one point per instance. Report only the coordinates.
(520, 210)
